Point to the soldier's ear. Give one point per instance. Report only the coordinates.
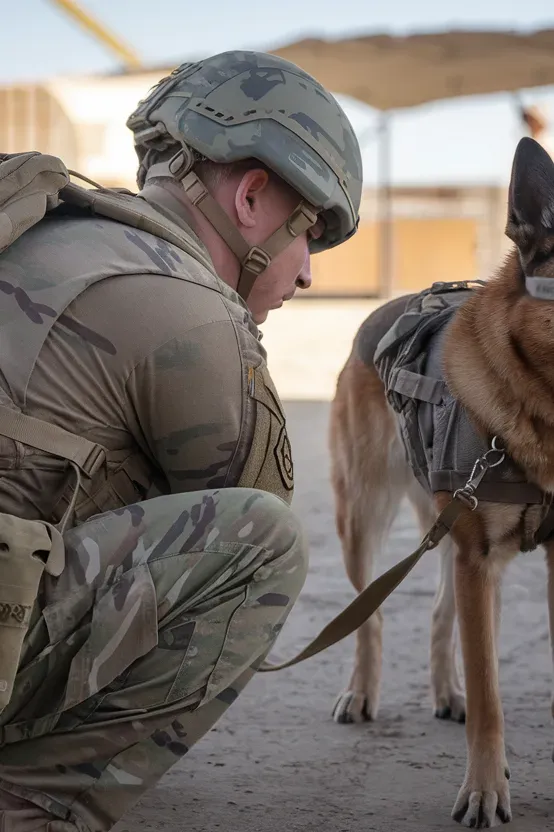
(250, 187)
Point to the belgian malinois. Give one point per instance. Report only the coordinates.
(498, 362)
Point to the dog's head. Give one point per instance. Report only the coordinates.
(531, 217)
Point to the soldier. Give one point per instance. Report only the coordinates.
(169, 472)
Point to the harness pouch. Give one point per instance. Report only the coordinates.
(27, 549)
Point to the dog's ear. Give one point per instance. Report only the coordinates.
(531, 196)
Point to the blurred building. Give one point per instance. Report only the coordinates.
(438, 233)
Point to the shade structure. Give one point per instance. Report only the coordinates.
(389, 72)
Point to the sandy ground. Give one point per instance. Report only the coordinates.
(277, 762)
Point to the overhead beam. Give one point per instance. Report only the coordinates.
(93, 27)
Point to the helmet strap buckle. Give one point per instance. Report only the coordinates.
(256, 261)
(302, 218)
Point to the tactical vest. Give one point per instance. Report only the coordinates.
(115, 234)
(439, 439)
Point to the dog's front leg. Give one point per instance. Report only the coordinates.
(485, 792)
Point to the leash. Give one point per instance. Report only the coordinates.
(371, 598)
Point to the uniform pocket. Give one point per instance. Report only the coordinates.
(122, 627)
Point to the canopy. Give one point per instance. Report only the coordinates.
(390, 72)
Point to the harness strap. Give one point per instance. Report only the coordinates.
(546, 528)
(417, 386)
(87, 456)
(511, 493)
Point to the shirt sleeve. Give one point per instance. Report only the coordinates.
(209, 413)
(188, 397)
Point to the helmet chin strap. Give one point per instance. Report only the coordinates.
(253, 259)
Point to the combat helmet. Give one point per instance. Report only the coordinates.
(242, 105)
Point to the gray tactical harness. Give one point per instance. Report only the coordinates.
(440, 442)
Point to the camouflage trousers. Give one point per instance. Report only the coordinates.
(163, 613)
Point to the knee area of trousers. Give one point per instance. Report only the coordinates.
(286, 544)
(276, 526)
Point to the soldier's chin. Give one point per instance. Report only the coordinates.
(260, 317)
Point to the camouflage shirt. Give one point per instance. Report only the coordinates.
(167, 374)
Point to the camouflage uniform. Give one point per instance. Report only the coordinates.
(166, 605)
(184, 558)
(162, 615)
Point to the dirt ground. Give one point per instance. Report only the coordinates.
(277, 762)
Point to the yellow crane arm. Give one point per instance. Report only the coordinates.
(99, 31)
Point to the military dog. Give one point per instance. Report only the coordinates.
(498, 362)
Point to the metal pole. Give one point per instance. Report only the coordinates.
(385, 240)
(95, 28)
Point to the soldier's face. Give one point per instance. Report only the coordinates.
(289, 271)
(263, 205)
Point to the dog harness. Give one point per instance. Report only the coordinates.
(440, 442)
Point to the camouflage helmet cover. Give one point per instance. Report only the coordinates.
(241, 105)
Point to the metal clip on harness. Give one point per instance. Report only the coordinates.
(466, 494)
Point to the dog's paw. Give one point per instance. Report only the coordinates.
(353, 706)
(454, 708)
(481, 800)
(451, 707)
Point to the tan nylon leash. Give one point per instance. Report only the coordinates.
(371, 598)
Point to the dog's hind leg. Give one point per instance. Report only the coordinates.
(369, 477)
(447, 692)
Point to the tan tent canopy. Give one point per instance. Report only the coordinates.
(389, 72)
